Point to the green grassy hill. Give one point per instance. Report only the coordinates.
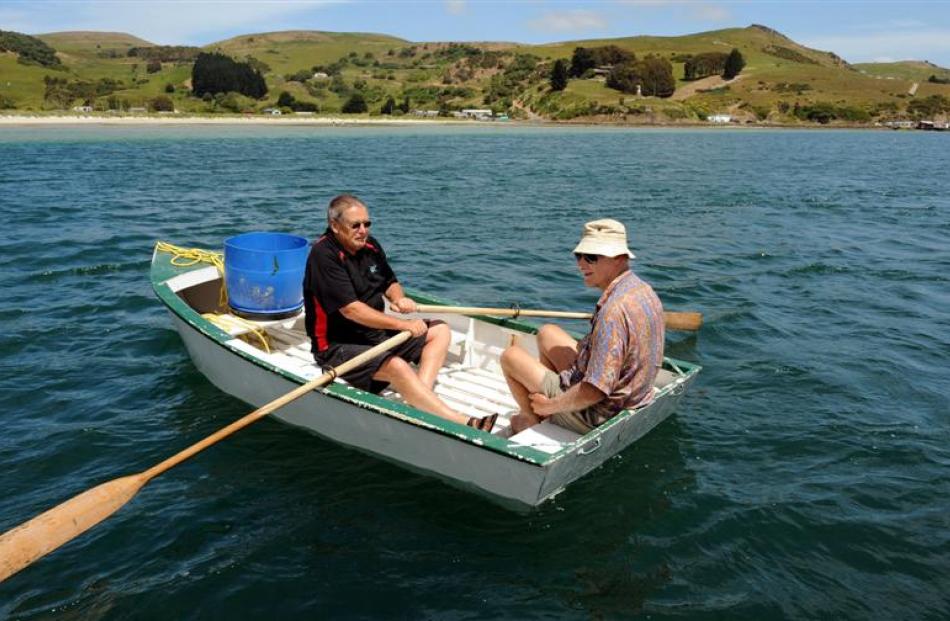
(780, 82)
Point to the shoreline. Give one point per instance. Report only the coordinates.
(180, 119)
(17, 120)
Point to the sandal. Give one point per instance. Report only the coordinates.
(485, 424)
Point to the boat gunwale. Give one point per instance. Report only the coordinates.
(160, 274)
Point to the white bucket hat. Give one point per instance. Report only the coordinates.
(605, 237)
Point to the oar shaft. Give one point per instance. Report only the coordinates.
(264, 410)
(500, 312)
(21, 546)
(674, 320)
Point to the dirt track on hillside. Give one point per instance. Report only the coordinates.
(703, 84)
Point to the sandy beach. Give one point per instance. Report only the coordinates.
(181, 119)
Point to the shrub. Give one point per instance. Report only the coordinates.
(789, 54)
(162, 103)
(355, 104)
(153, 66)
(928, 106)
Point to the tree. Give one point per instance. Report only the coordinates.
(734, 64)
(582, 60)
(286, 100)
(153, 66)
(559, 76)
(404, 106)
(625, 77)
(355, 104)
(389, 106)
(657, 76)
(169, 88)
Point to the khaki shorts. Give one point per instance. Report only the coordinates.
(575, 421)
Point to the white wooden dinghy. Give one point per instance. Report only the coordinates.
(259, 361)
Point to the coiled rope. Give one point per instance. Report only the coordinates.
(186, 257)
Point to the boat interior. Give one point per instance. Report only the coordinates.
(471, 381)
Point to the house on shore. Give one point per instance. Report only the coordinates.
(479, 114)
(719, 118)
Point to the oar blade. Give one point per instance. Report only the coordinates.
(31, 540)
(686, 320)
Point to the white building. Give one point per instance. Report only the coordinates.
(719, 118)
(476, 113)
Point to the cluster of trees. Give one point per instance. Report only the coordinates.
(29, 50)
(166, 53)
(390, 107)
(823, 112)
(713, 63)
(933, 79)
(217, 73)
(61, 92)
(704, 65)
(653, 75)
(586, 58)
(286, 100)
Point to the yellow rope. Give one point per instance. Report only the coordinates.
(230, 322)
(186, 257)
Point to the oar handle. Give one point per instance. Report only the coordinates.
(689, 320)
(24, 544)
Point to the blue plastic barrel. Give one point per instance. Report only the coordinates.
(263, 274)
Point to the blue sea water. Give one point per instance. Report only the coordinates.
(806, 475)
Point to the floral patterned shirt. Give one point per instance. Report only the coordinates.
(624, 349)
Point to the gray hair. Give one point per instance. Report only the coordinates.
(340, 204)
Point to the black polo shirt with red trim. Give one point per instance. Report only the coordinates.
(335, 278)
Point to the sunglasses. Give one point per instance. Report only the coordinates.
(589, 258)
(356, 225)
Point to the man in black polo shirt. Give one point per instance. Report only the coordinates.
(346, 279)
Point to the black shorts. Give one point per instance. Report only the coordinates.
(362, 376)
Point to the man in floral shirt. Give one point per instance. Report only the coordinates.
(580, 385)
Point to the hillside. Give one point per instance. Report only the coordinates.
(781, 82)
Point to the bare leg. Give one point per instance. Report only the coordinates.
(434, 352)
(524, 375)
(558, 349)
(403, 377)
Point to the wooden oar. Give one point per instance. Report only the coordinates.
(31, 540)
(690, 320)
